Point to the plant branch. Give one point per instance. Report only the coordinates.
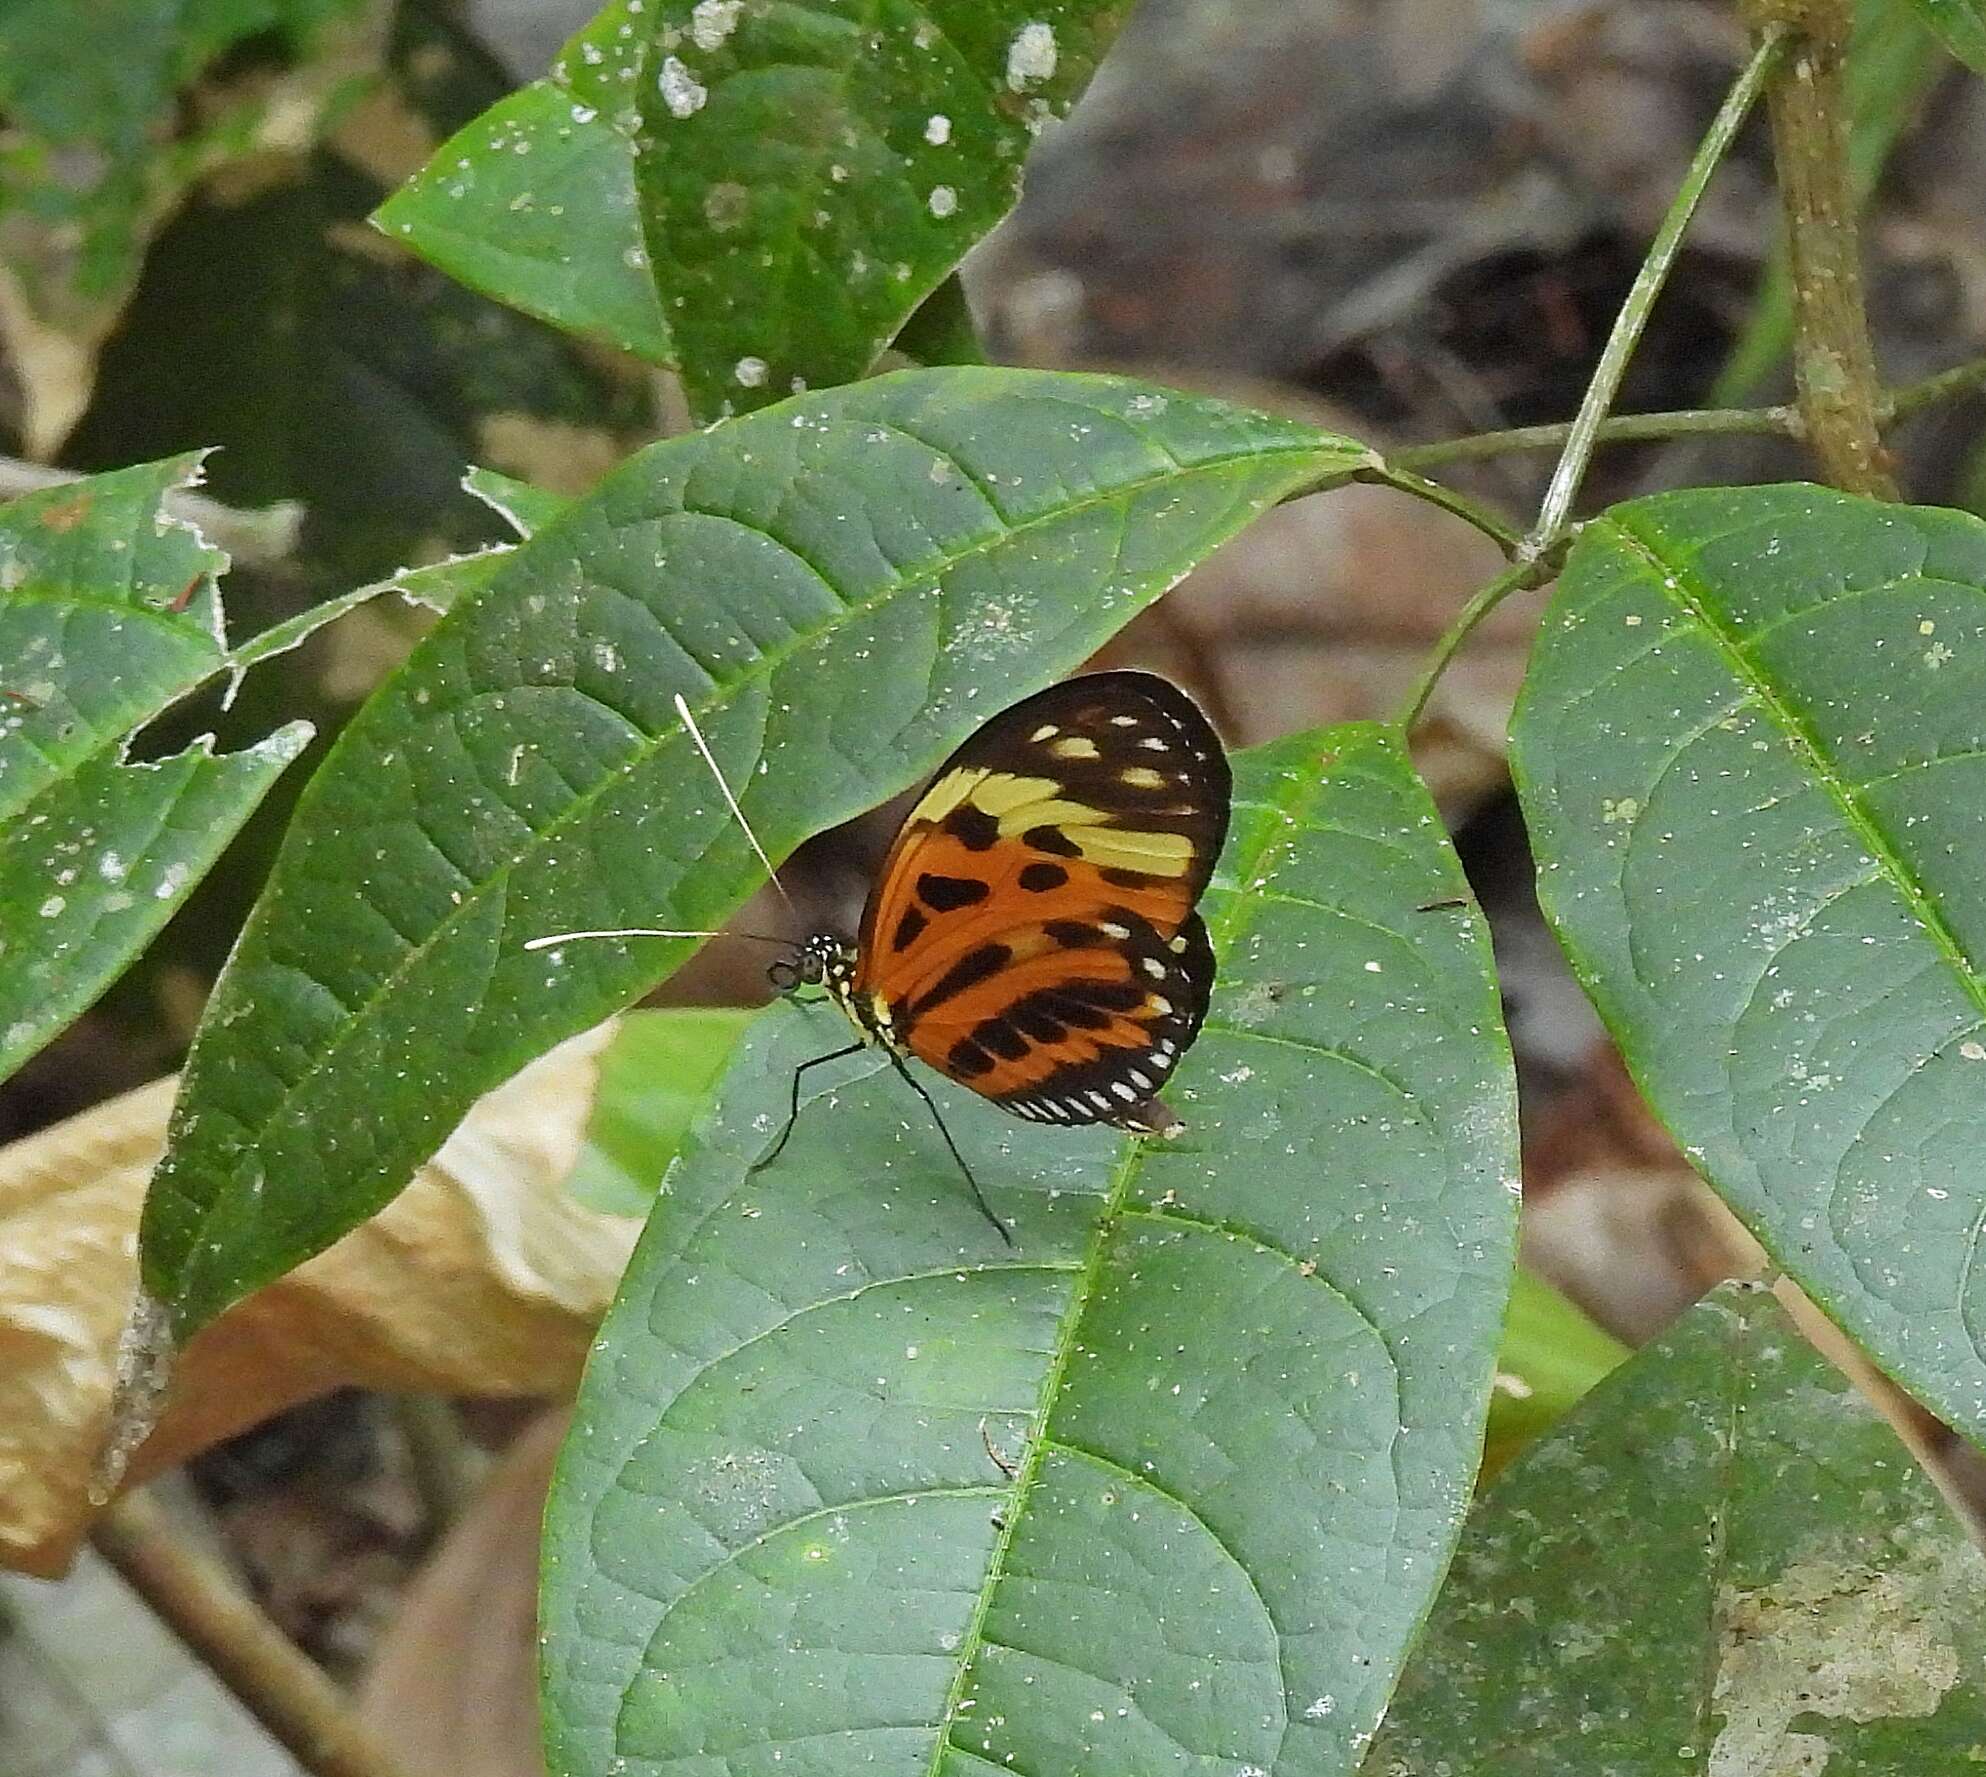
(1391, 474)
(1624, 428)
(283, 1689)
(1655, 268)
(1537, 556)
(1947, 385)
(1834, 363)
(1520, 576)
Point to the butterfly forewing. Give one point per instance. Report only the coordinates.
(1032, 931)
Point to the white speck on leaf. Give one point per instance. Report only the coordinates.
(939, 130)
(711, 21)
(944, 200)
(682, 92)
(750, 372)
(1031, 56)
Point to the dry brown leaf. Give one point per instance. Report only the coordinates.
(453, 1687)
(482, 1277)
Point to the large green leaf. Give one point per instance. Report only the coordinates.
(109, 612)
(759, 194)
(1961, 27)
(1724, 1563)
(840, 589)
(1752, 750)
(1239, 1378)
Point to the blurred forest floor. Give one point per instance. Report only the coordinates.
(1410, 219)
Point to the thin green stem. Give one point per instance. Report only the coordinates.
(1624, 428)
(1648, 282)
(1683, 422)
(1505, 536)
(1961, 379)
(1520, 576)
(1537, 555)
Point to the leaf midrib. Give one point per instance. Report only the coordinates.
(1090, 1275)
(1679, 578)
(762, 666)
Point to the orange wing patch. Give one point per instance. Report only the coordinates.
(1031, 933)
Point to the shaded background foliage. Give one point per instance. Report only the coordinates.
(1404, 221)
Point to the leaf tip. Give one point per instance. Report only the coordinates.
(147, 1352)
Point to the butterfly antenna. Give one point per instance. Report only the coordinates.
(930, 1104)
(710, 759)
(551, 938)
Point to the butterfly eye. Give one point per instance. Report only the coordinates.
(784, 975)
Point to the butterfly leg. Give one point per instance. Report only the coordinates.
(930, 1104)
(793, 1110)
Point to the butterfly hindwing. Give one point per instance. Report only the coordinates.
(1032, 933)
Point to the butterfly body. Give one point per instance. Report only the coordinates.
(1032, 934)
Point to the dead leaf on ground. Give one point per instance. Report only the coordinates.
(1325, 610)
(483, 1277)
(454, 1684)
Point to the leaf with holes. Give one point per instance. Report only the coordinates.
(1752, 752)
(1723, 1561)
(839, 588)
(758, 194)
(1167, 1486)
(109, 613)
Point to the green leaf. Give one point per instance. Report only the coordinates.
(942, 329)
(1241, 1376)
(109, 612)
(533, 202)
(521, 506)
(1960, 26)
(656, 1077)
(757, 194)
(337, 373)
(1752, 752)
(840, 588)
(1551, 1355)
(1722, 1562)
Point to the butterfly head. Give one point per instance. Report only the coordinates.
(822, 961)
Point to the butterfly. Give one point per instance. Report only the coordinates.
(1032, 933)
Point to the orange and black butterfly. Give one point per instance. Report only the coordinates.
(1032, 932)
